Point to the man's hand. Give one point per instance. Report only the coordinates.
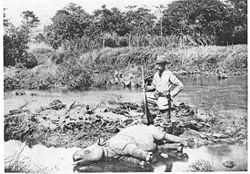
(149, 88)
(166, 94)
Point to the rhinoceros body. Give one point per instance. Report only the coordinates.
(142, 136)
(133, 144)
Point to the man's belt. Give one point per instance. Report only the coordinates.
(166, 94)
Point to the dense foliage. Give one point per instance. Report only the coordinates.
(192, 22)
(180, 23)
(15, 41)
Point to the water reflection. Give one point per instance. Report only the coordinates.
(219, 150)
(160, 164)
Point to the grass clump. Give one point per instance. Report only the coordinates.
(14, 164)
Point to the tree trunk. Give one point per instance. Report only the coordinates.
(103, 43)
(137, 44)
(129, 40)
(161, 34)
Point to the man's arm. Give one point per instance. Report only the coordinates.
(178, 83)
(150, 88)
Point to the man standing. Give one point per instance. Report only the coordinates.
(163, 80)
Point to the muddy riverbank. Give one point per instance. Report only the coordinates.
(78, 125)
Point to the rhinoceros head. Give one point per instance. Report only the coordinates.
(89, 154)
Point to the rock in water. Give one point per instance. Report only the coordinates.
(20, 92)
(229, 164)
(201, 166)
(57, 104)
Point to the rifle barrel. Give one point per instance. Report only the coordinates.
(146, 110)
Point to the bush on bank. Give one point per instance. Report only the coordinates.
(208, 58)
(99, 68)
(43, 77)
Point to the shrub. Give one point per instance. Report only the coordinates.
(9, 59)
(43, 55)
(11, 81)
(42, 77)
(237, 60)
(15, 45)
(74, 75)
(28, 60)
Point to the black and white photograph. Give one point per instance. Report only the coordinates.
(125, 86)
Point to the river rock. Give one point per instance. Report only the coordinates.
(222, 76)
(20, 92)
(57, 104)
(229, 164)
(201, 166)
(33, 94)
(184, 110)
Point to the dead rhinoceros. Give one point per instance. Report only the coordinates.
(133, 144)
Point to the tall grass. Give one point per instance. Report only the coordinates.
(202, 58)
(78, 70)
(14, 164)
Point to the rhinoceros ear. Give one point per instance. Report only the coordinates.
(101, 142)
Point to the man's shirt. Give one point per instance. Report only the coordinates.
(166, 81)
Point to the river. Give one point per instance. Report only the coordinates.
(207, 93)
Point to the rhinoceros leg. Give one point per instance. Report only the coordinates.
(131, 160)
(134, 151)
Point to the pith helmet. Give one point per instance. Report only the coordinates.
(162, 59)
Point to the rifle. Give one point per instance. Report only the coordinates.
(169, 104)
(149, 117)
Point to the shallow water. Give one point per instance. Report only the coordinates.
(203, 92)
(43, 159)
(216, 155)
(226, 97)
(39, 158)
